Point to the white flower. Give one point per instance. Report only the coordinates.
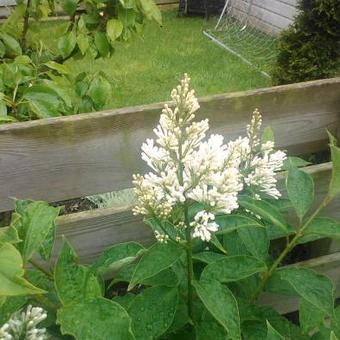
(154, 156)
(23, 325)
(162, 238)
(204, 225)
(186, 168)
(263, 174)
(4, 335)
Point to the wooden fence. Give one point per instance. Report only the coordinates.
(61, 158)
(271, 16)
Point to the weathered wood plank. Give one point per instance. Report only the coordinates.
(61, 158)
(277, 7)
(269, 15)
(328, 265)
(92, 231)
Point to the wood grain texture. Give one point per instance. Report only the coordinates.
(92, 231)
(61, 158)
(270, 16)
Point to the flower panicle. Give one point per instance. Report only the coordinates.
(187, 167)
(23, 325)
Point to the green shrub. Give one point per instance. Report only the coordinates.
(310, 48)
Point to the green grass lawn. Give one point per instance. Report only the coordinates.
(146, 69)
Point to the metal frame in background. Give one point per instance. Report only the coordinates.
(229, 49)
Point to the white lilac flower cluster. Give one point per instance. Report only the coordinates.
(23, 325)
(185, 168)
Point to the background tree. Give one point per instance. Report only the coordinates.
(310, 48)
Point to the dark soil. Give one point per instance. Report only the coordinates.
(74, 205)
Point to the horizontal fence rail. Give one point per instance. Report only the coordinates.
(61, 158)
(271, 16)
(92, 231)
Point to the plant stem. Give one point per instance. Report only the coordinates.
(25, 28)
(41, 268)
(73, 20)
(46, 303)
(289, 247)
(190, 267)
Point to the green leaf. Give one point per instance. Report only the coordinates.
(124, 300)
(102, 44)
(114, 29)
(281, 204)
(273, 334)
(2, 49)
(217, 244)
(309, 316)
(69, 6)
(333, 336)
(12, 304)
(46, 247)
(234, 245)
(230, 223)
(67, 43)
(181, 317)
(300, 189)
(166, 277)
(12, 280)
(43, 108)
(23, 60)
(254, 330)
(152, 312)
(3, 108)
(151, 10)
(12, 45)
(113, 258)
(37, 220)
(43, 100)
(255, 240)
(157, 258)
(74, 283)
(334, 186)
(315, 288)
(62, 91)
(267, 135)
(7, 119)
(208, 257)
(100, 91)
(221, 303)
(321, 227)
(232, 268)
(96, 319)
(324, 333)
(128, 3)
(9, 235)
(10, 25)
(83, 42)
(294, 161)
(208, 328)
(60, 68)
(265, 210)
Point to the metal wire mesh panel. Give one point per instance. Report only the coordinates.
(240, 30)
